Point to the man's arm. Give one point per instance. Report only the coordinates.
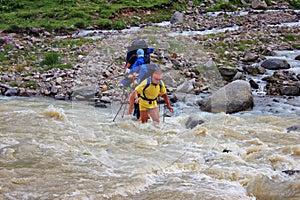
(165, 96)
(135, 96)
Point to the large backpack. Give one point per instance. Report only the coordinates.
(146, 70)
(132, 55)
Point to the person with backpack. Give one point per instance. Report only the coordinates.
(132, 55)
(132, 73)
(146, 93)
(131, 77)
(140, 73)
(139, 61)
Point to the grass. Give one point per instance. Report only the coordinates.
(68, 15)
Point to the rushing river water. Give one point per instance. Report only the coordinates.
(69, 150)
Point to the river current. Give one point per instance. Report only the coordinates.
(70, 150)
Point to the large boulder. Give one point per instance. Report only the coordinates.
(234, 97)
(275, 64)
(177, 17)
(85, 93)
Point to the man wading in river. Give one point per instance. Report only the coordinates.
(146, 94)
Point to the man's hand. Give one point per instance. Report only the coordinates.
(136, 101)
(127, 71)
(170, 107)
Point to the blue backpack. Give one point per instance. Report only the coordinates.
(146, 70)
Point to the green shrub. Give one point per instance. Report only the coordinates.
(51, 59)
(31, 84)
(80, 25)
(2, 41)
(225, 6)
(13, 84)
(14, 29)
(10, 5)
(289, 37)
(118, 25)
(294, 3)
(104, 23)
(59, 66)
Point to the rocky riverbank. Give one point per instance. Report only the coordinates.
(193, 63)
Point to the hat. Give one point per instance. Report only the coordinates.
(140, 52)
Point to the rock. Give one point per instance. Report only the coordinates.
(105, 99)
(54, 90)
(193, 121)
(291, 172)
(186, 87)
(293, 128)
(275, 64)
(259, 4)
(177, 17)
(12, 91)
(59, 80)
(290, 90)
(227, 72)
(282, 83)
(254, 70)
(237, 76)
(297, 57)
(250, 57)
(60, 97)
(253, 84)
(84, 93)
(232, 98)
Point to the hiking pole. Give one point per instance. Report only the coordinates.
(118, 111)
(164, 114)
(122, 103)
(124, 109)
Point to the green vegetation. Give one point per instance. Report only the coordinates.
(68, 15)
(294, 3)
(291, 37)
(51, 59)
(28, 84)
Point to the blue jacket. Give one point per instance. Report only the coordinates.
(134, 68)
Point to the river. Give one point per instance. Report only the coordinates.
(70, 150)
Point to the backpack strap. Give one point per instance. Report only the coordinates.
(147, 85)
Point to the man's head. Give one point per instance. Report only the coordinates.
(157, 76)
(140, 52)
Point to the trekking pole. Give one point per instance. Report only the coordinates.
(124, 109)
(164, 114)
(122, 103)
(118, 111)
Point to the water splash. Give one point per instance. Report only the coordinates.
(56, 113)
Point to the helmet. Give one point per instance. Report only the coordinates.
(140, 52)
